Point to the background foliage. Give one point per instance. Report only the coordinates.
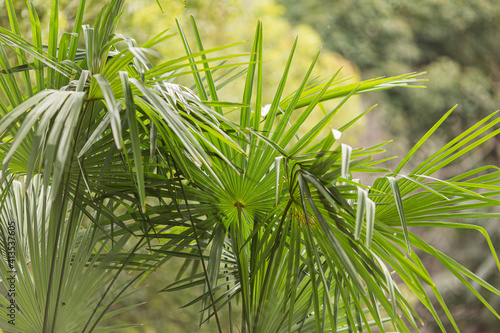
(456, 45)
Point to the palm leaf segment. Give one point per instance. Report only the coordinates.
(27, 226)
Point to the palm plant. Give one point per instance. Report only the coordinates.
(109, 165)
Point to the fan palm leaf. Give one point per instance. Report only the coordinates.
(301, 232)
(121, 168)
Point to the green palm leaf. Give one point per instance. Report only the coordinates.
(104, 152)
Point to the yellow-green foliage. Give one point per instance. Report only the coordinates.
(230, 21)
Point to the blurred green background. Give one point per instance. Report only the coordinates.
(456, 42)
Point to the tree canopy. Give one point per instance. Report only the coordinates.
(457, 44)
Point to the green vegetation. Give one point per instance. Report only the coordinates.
(111, 168)
(456, 44)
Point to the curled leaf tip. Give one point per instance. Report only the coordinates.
(159, 5)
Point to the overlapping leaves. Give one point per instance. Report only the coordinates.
(273, 218)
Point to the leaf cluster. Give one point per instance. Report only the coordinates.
(109, 165)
